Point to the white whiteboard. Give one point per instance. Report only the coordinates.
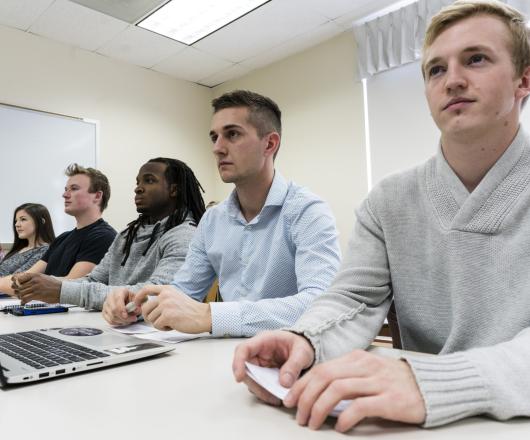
(35, 149)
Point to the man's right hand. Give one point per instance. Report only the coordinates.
(114, 307)
(281, 349)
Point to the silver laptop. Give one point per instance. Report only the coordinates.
(46, 353)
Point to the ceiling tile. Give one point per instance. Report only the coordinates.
(264, 28)
(127, 10)
(141, 47)
(298, 44)
(21, 14)
(367, 8)
(335, 8)
(76, 25)
(232, 72)
(192, 65)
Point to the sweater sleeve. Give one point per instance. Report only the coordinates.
(487, 380)
(173, 247)
(353, 309)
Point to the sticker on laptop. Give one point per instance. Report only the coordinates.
(80, 331)
(132, 348)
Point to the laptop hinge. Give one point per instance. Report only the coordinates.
(3, 380)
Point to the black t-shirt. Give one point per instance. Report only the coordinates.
(86, 244)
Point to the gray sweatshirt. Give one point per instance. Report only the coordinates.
(163, 259)
(457, 265)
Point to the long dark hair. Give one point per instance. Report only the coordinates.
(43, 227)
(189, 201)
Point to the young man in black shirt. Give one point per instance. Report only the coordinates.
(75, 253)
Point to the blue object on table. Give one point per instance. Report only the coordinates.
(34, 309)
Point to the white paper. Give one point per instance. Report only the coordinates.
(136, 328)
(145, 331)
(172, 336)
(269, 378)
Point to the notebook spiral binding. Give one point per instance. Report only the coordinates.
(10, 309)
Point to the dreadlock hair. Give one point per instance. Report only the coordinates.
(189, 201)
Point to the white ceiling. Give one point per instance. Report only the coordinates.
(276, 30)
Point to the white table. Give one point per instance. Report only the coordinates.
(188, 394)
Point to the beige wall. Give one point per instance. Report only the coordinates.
(142, 114)
(323, 126)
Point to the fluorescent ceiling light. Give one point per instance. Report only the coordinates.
(188, 21)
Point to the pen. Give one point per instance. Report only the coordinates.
(131, 306)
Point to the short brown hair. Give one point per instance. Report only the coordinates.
(263, 113)
(462, 9)
(98, 182)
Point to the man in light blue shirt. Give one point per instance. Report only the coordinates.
(272, 244)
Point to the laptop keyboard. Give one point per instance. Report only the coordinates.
(40, 351)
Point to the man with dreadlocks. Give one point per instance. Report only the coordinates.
(272, 244)
(148, 251)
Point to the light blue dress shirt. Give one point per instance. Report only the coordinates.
(269, 269)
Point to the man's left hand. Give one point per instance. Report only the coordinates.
(378, 387)
(36, 286)
(174, 310)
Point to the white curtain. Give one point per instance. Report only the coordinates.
(396, 38)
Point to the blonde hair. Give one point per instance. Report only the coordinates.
(462, 9)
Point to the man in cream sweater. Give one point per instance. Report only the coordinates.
(448, 241)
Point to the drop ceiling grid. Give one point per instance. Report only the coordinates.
(270, 33)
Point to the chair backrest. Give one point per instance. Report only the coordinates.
(394, 326)
(214, 295)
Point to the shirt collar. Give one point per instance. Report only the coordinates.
(275, 197)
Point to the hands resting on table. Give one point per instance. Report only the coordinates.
(378, 386)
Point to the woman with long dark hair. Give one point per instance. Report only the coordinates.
(33, 232)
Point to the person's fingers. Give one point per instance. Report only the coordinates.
(141, 296)
(164, 323)
(105, 313)
(116, 302)
(116, 320)
(341, 389)
(361, 408)
(300, 357)
(261, 393)
(110, 318)
(244, 352)
(148, 307)
(304, 395)
(114, 306)
(305, 392)
(23, 277)
(14, 282)
(25, 290)
(151, 314)
(152, 290)
(24, 299)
